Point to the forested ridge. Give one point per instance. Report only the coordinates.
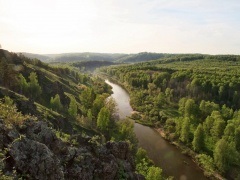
(195, 99)
(58, 123)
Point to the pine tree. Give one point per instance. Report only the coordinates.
(23, 84)
(72, 110)
(55, 103)
(34, 88)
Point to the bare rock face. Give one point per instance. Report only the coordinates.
(40, 154)
(34, 158)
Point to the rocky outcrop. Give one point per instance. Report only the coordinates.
(39, 154)
(36, 159)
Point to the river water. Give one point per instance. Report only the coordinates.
(163, 154)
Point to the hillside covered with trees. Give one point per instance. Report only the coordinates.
(58, 123)
(195, 99)
(87, 56)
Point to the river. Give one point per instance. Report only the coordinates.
(163, 154)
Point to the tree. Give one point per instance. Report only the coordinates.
(55, 103)
(225, 155)
(226, 112)
(8, 75)
(23, 84)
(185, 131)
(72, 110)
(237, 138)
(87, 97)
(207, 107)
(154, 173)
(98, 103)
(190, 109)
(218, 129)
(90, 118)
(169, 94)
(198, 140)
(181, 105)
(103, 119)
(34, 88)
(8, 101)
(126, 133)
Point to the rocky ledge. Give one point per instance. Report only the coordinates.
(33, 151)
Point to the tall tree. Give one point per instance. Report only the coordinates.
(34, 88)
(185, 131)
(72, 110)
(55, 103)
(198, 140)
(87, 97)
(23, 84)
(103, 119)
(225, 155)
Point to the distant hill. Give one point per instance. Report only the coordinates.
(143, 56)
(43, 58)
(71, 57)
(91, 65)
(87, 56)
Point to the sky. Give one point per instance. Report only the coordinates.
(120, 26)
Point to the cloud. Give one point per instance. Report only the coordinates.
(120, 26)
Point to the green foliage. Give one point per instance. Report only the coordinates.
(198, 140)
(24, 86)
(10, 114)
(185, 130)
(73, 108)
(237, 138)
(154, 173)
(87, 97)
(203, 89)
(98, 103)
(225, 155)
(125, 132)
(34, 88)
(103, 120)
(8, 74)
(207, 162)
(55, 103)
(8, 101)
(145, 166)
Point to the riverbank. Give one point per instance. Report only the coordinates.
(187, 151)
(181, 148)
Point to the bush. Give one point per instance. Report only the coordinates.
(10, 115)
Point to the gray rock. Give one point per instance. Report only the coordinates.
(34, 158)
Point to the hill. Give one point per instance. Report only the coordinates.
(87, 56)
(56, 124)
(194, 100)
(141, 57)
(43, 58)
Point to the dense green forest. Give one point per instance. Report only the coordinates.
(65, 124)
(195, 99)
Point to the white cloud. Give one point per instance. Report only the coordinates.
(205, 26)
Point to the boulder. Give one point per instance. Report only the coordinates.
(34, 158)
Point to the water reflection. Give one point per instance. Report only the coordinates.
(165, 155)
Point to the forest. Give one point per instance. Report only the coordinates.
(195, 99)
(64, 122)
